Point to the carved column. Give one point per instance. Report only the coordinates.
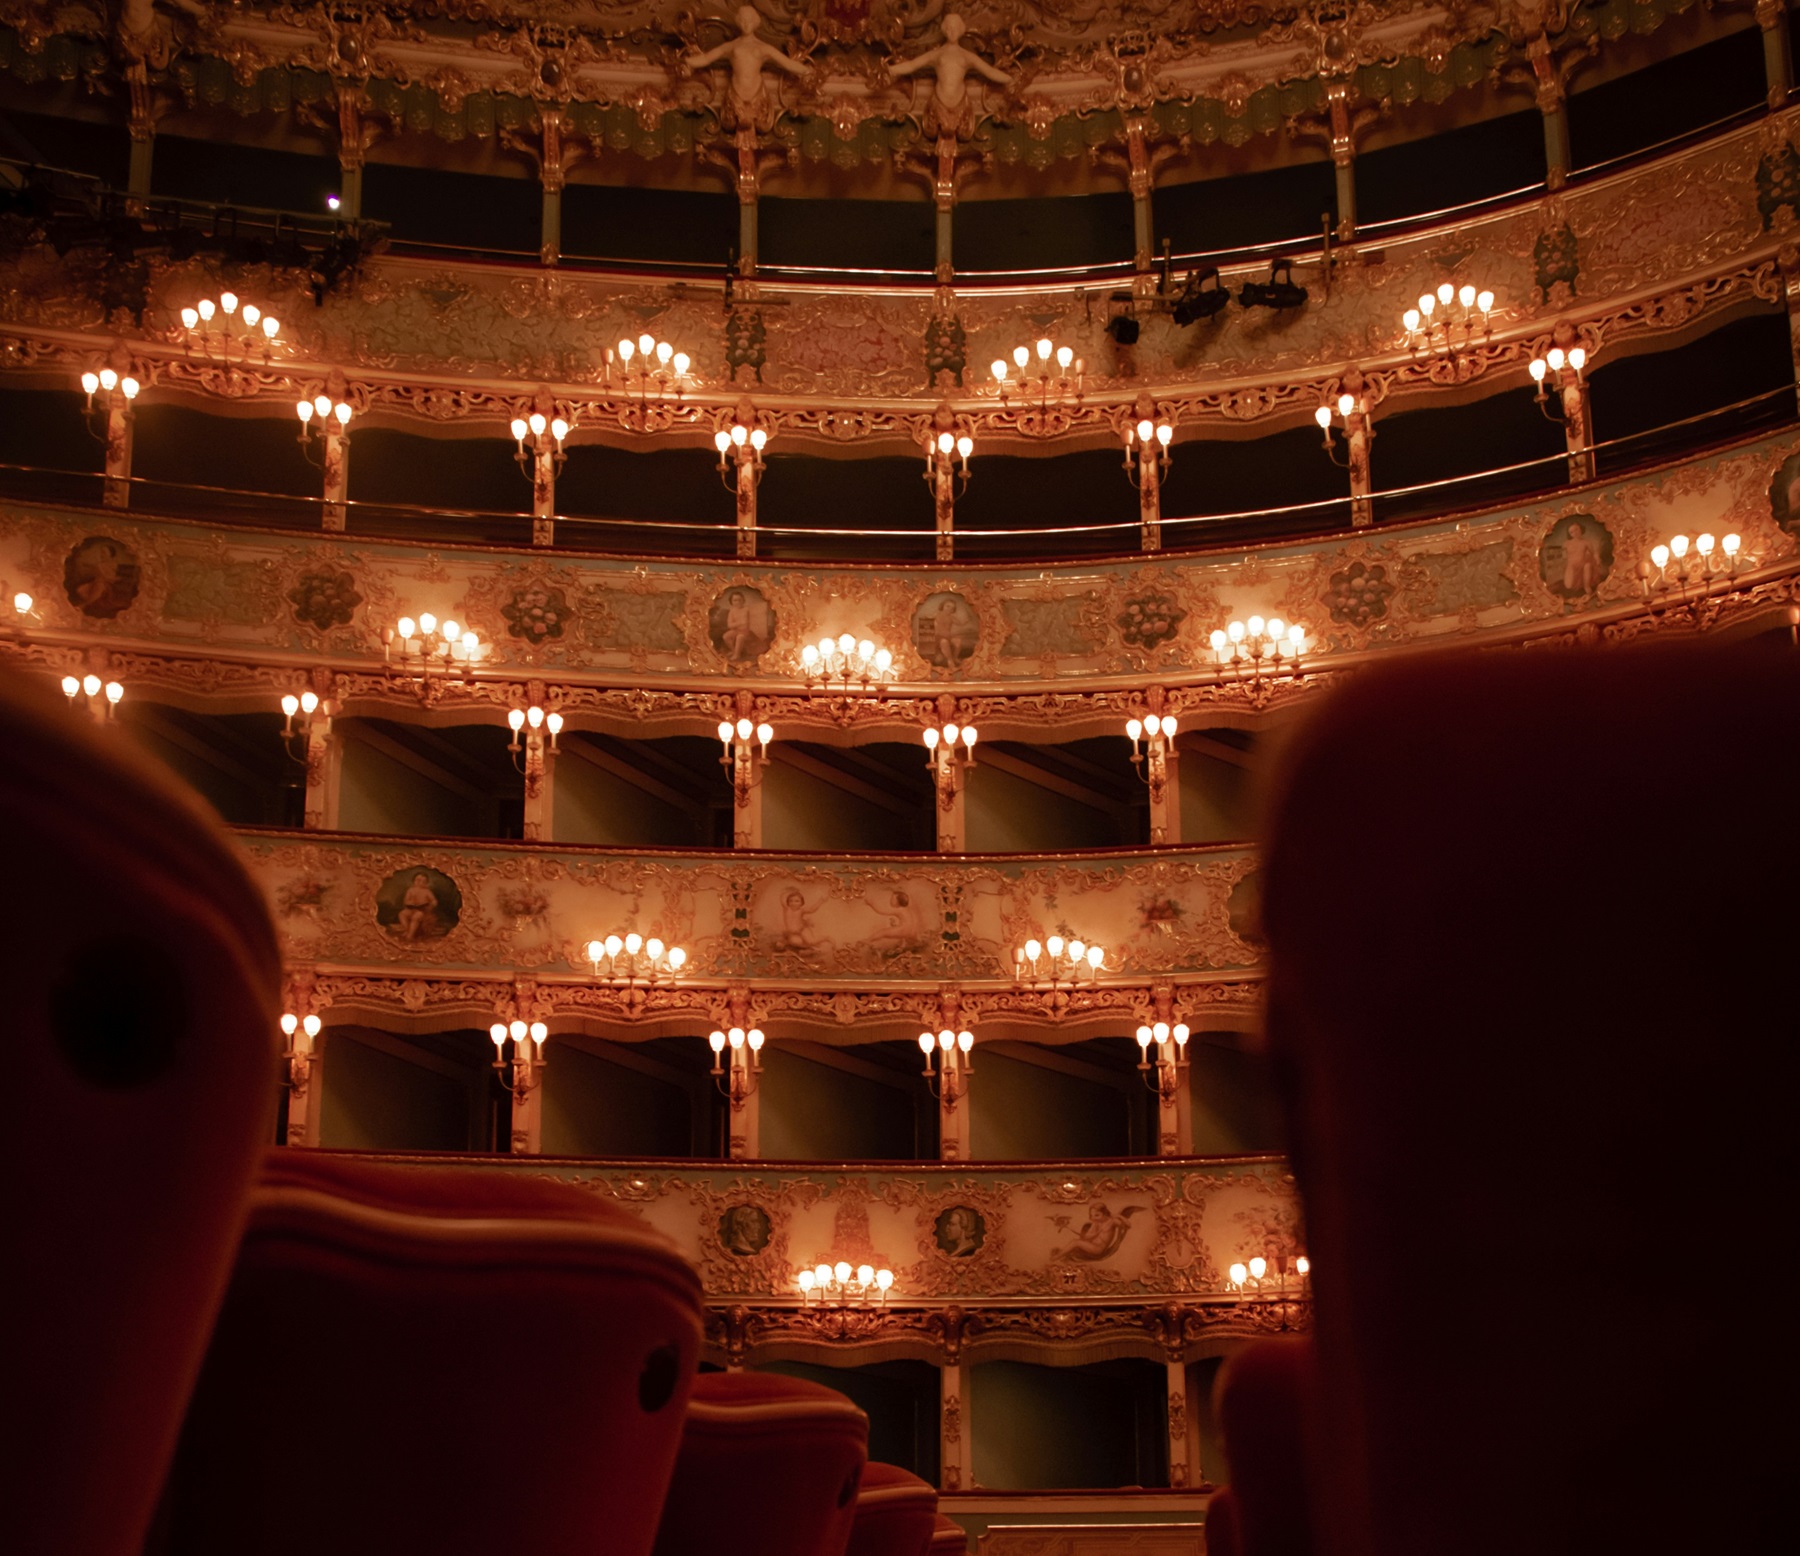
(1358, 432)
(1139, 178)
(142, 125)
(1574, 392)
(1343, 155)
(1772, 17)
(527, 1106)
(748, 474)
(746, 802)
(943, 496)
(1178, 1423)
(353, 143)
(540, 788)
(118, 449)
(744, 1128)
(747, 191)
(305, 1074)
(324, 769)
(552, 174)
(1165, 798)
(543, 493)
(952, 824)
(1552, 105)
(1149, 495)
(953, 1438)
(943, 193)
(337, 473)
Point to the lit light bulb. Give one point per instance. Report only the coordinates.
(1485, 302)
(682, 363)
(1410, 319)
(228, 301)
(1445, 292)
(626, 348)
(999, 370)
(1238, 1274)
(207, 310)
(1466, 296)
(1064, 356)
(646, 344)
(189, 318)
(427, 622)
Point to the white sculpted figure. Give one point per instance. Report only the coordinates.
(749, 56)
(950, 63)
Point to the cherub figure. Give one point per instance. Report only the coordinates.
(749, 56)
(1100, 1234)
(950, 63)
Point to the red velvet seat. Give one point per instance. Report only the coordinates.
(947, 1537)
(141, 1044)
(1261, 1409)
(1532, 921)
(896, 1513)
(769, 1466)
(436, 1359)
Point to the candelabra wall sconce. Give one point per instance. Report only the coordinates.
(842, 1285)
(109, 383)
(325, 440)
(1163, 1074)
(98, 697)
(302, 1033)
(1683, 566)
(631, 959)
(1449, 321)
(740, 447)
(1348, 414)
(1056, 962)
(1558, 372)
(112, 426)
(1152, 749)
(737, 1064)
(533, 743)
(955, 1056)
(225, 330)
(745, 757)
(1335, 417)
(846, 669)
(647, 366)
(1045, 373)
(1259, 1276)
(947, 474)
(538, 451)
(1256, 648)
(1147, 439)
(297, 713)
(428, 648)
(949, 754)
(522, 1074)
(24, 607)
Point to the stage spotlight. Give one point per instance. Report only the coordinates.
(1123, 329)
(1279, 291)
(1201, 298)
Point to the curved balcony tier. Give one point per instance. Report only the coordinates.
(1619, 264)
(231, 619)
(847, 948)
(1059, 1262)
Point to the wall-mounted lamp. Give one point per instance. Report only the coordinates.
(1056, 961)
(1163, 1074)
(302, 1034)
(99, 697)
(527, 1066)
(737, 1063)
(954, 1052)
